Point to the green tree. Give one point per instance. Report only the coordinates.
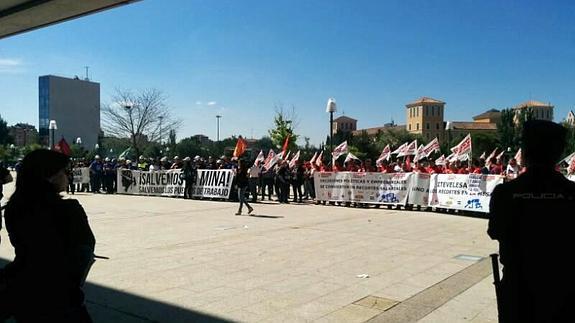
(364, 146)
(4, 133)
(484, 142)
(192, 147)
(506, 129)
(284, 124)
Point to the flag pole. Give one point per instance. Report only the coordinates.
(469, 162)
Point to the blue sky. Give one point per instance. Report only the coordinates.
(241, 58)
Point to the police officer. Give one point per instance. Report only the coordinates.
(109, 172)
(96, 174)
(531, 217)
(143, 164)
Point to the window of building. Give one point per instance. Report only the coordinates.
(417, 126)
(549, 114)
(433, 110)
(417, 111)
(437, 126)
(427, 126)
(410, 127)
(426, 111)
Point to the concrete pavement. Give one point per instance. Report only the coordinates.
(175, 260)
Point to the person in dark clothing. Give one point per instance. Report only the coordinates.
(190, 176)
(53, 244)
(267, 176)
(242, 183)
(70, 173)
(96, 174)
(530, 216)
(283, 180)
(108, 173)
(297, 181)
(5, 178)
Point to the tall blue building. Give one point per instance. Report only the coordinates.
(75, 106)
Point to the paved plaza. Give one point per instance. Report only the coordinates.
(175, 260)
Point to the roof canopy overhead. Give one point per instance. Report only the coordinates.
(18, 16)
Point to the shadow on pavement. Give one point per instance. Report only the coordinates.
(109, 305)
(266, 216)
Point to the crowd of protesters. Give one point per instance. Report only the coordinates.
(284, 181)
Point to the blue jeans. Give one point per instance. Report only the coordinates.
(242, 198)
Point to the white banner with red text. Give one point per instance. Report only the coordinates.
(462, 192)
(470, 192)
(378, 188)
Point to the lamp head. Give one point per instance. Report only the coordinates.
(331, 106)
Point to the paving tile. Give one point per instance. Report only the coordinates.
(350, 314)
(196, 257)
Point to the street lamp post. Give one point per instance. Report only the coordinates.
(331, 108)
(53, 127)
(218, 119)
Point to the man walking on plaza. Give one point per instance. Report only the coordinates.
(531, 218)
(242, 182)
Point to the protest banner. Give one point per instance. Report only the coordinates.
(210, 183)
(419, 189)
(470, 192)
(81, 175)
(214, 183)
(154, 183)
(377, 188)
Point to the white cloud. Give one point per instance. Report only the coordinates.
(198, 102)
(212, 103)
(10, 65)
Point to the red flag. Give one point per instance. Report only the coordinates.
(294, 160)
(270, 160)
(340, 150)
(385, 155)
(440, 161)
(285, 146)
(410, 149)
(464, 147)
(241, 146)
(519, 157)
(312, 160)
(63, 147)
(399, 149)
(318, 160)
(260, 158)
